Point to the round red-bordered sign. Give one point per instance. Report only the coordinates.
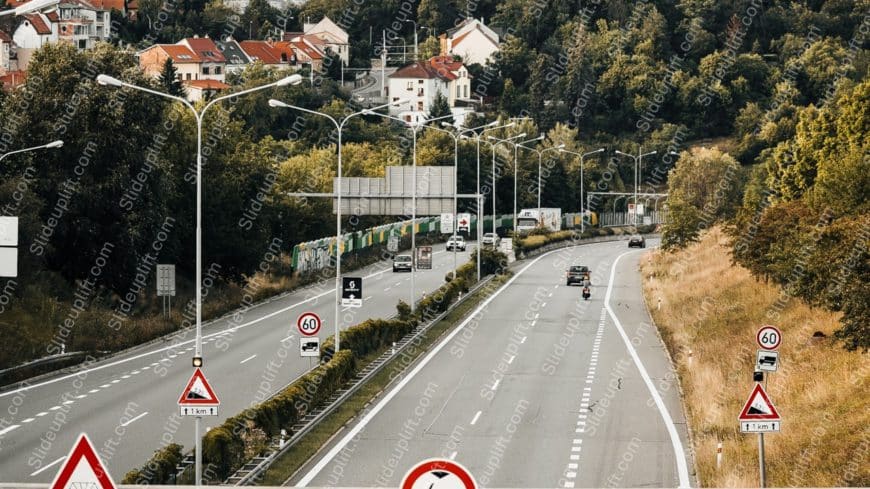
(438, 473)
(768, 337)
(308, 324)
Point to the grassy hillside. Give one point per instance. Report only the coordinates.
(710, 311)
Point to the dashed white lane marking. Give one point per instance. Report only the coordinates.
(495, 384)
(67, 403)
(82, 396)
(367, 298)
(476, 417)
(523, 340)
(543, 305)
(135, 372)
(115, 381)
(130, 421)
(556, 287)
(93, 391)
(511, 359)
(387, 289)
(47, 467)
(8, 429)
(39, 415)
(248, 359)
(54, 408)
(537, 314)
(453, 456)
(289, 338)
(104, 386)
(27, 420)
(125, 376)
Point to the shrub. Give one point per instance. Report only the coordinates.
(160, 468)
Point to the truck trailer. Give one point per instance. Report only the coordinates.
(549, 218)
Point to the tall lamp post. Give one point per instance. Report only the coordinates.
(51, 145)
(479, 201)
(637, 160)
(415, 127)
(582, 188)
(493, 145)
(517, 174)
(416, 28)
(540, 161)
(339, 126)
(107, 80)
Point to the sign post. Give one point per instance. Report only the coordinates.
(424, 258)
(8, 246)
(166, 286)
(198, 399)
(759, 415)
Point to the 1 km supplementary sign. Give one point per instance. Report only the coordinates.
(198, 398)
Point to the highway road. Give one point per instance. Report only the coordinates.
(127, 404)
(538, 388)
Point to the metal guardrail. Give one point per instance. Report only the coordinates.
(250, 472)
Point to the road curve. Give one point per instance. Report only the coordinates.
(537, 389)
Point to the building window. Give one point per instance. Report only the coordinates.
(466, 91)
(205, 70)
(217, 70)
(420, 105)
(458, 91)
(410, 86)
(420, 92)
(83, 44)
(188, 76)
(407, 118)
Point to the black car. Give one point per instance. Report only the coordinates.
(577, 274)
(637, 241)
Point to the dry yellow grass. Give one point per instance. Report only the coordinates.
(709, 314)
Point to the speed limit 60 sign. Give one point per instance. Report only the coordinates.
(768, 338)
(308, 324)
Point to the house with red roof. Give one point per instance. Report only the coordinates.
(8, 54)
(194, 58)
(330, 36)
(422, 81)
(471, 40)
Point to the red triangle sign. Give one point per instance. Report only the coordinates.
(198, 391)
(83, 469)
(758, 407)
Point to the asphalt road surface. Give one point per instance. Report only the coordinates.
(127, 404)
(539, 388)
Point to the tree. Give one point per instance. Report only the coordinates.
(440, 107)
(430, 47)
(169, 79)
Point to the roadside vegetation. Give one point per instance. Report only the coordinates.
(710, 312)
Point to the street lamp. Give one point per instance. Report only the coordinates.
(107, 80)
(51, 145)
(416, 27)
(540, 159)
(582, 202)
(339, 126)
(637, 161)
(493, 146)
(516, 173)
(478, 201)
(414, 126)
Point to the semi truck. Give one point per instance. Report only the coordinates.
(549, 218)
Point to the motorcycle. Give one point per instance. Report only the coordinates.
(586, 294)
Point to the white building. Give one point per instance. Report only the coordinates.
(421, 82)
(472, 40)
(333, 37)
(77, 22)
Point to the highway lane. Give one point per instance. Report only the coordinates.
(127, 404)
(538, 389)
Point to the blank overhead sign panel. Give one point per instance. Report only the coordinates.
(393, 195)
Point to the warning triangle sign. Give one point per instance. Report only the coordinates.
(758, 406)
(198, 391)
(82, 469)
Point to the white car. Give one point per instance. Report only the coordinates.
(491, 239)
(457, 243)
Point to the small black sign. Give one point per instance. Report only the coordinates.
(351, 291)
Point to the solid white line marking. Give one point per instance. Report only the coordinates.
(249, 358)
(679, 452)
(127, 423)
(338, 447)
(476, 416)
(8, 429)
(47, 466)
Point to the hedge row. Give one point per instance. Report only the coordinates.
(224, 448)
(537, 240)
(160, 469)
